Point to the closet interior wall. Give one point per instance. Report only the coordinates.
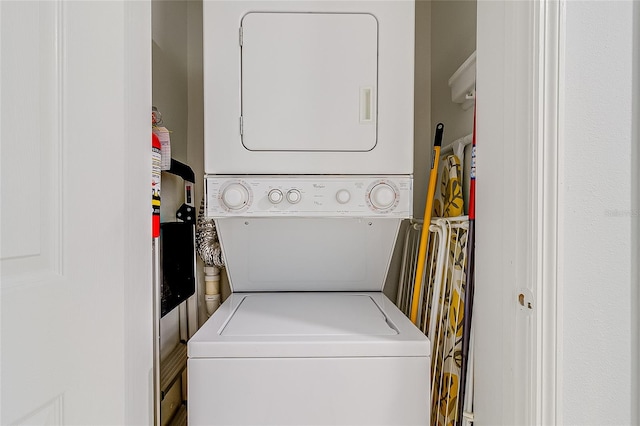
(445, 38)
(177, 93)
(177, 88)
(421, 133)
(453, 40)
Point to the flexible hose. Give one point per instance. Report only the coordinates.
(207, 244)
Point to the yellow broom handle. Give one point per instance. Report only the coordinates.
(424, 236)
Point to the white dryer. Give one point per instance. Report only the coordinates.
(308, 87)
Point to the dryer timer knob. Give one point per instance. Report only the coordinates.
(382, 196)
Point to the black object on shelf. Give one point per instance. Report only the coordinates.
(177, 242)
(182, 170)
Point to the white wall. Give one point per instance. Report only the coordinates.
(596, 375)
(635, 223)
(421, 133)
(453, 39)
(169, 20)
(178, 95)
(597, 201)
(423, 139)
(195, 126)
(170, 51)
(445, 37)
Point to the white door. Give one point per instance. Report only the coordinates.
(75, 227)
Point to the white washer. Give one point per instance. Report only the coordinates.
(308, 359)
(307, 337)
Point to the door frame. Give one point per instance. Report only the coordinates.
(139, 326)
(518, 88)
(549, 294)
(517, 321)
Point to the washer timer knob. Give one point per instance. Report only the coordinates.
(382, 196)
(235, 196)
(343, 196)
(294, 196)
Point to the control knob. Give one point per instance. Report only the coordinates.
(275, 196)
(343, 196)
(382, 196)
(235, 196)
(294, 196)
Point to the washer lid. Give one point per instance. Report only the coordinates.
(278, 325)
(296, 314)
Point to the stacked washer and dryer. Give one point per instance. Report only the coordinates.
(308, 163)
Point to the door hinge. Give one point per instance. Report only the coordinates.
(240, 37)
(241, 129)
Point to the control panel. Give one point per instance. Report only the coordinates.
(309, 196)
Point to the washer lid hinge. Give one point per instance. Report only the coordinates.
(241, 129)
(240, 38)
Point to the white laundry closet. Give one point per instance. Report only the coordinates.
(444, 31)
(557, 323)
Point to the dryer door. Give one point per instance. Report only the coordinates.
(309, 81)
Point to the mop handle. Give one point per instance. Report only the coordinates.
(424, 235)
